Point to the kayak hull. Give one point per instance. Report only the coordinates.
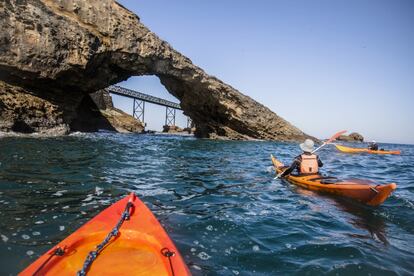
(367, 193)
(361, 150)
(136, 250)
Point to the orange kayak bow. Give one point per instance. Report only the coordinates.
(361, 150)
(367, 193)
(140, 247)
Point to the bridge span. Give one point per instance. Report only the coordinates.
(140, 99)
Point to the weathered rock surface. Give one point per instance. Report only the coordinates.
(121, 121)
(353, 137)
(59, 51)
(172, 129)
(102, 99)
(23, 111)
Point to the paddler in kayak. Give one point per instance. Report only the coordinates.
(305, 164)
(373, 145)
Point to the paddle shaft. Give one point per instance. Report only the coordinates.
(318, 148)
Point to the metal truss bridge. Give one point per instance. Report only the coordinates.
(139, 104)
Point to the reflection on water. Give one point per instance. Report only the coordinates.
(361, 216)
(217, 200)
(364, 217)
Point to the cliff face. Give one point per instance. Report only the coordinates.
(61, 50)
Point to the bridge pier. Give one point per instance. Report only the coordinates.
(189, 123)
(139, 110)
(169, 116)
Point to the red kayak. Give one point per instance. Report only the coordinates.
(124, 239)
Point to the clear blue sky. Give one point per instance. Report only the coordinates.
(323, 65)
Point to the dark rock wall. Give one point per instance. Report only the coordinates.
(22, 110)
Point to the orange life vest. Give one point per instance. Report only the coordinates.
(309, 164)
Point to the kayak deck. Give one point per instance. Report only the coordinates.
(361, 150)
(367, 193)
(142, 257)
(136, 250)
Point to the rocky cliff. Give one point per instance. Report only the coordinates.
(59, 51)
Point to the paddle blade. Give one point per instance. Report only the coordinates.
(336, 135)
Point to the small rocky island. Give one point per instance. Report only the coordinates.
(55, 53)
(352, 137)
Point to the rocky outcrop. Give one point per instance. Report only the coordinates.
(106, 116)
(173, 129)
(121, 121)
(190, 130)
(59, 51)
(353, 137)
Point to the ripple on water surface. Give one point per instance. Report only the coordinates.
(216, 199)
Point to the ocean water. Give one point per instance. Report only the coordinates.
(217, 200)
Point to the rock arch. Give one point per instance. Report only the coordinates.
(68, 48)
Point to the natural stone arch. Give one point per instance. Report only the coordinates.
(73, 47)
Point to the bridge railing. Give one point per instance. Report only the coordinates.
(141, 96)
